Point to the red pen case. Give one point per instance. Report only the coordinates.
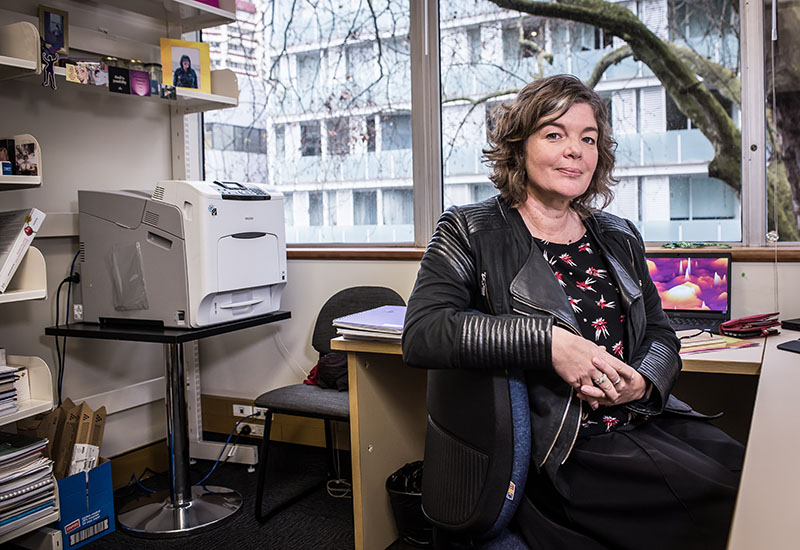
(752, 326)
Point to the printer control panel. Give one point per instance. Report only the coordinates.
(232, 190)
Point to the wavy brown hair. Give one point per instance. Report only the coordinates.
(536, 105)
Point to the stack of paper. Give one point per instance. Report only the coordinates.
(27, 486)
(692, 340)
(380, 323)
(9, 376)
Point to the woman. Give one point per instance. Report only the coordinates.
(184, 75)
(537, 279)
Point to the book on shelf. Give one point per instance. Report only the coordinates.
(381, 323)
(17, 230)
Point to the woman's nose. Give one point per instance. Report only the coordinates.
(573, 149)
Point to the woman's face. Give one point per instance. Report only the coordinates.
(185, 64)
(560, 158)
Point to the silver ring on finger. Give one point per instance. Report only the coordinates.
(617, 381)
(599, 381)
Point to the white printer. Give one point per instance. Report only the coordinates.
(190, 254)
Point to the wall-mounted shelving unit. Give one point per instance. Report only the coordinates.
(7, 183)
(223, 85)
(19, 50)
(41, 384)
(191, 15)
(29, 281)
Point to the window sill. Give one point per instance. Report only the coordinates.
(389, 253)
(743, 253)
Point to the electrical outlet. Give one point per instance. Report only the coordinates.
(261, 412)
(242, 410)
(77, 312)
(256, 430)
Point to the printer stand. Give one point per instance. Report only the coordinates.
(184, 509)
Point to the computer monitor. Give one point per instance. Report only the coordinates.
(693, 285)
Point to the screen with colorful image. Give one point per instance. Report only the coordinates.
(687, 283)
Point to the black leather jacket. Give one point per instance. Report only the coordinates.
(485, 298)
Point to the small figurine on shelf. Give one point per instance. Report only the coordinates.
(49, 59)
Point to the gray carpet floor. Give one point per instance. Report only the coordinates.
(318, 521)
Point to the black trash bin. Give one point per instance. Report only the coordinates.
(405, 494)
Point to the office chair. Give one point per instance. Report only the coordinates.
(313, 401)
(477, 452)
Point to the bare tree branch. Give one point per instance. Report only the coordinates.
(611, 58)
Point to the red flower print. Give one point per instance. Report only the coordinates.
(622, 318)
(602, 304)
(585, 247)
(617, 348)
(610, 422)
(560, 278)
(593, 271)
(587, 284)
(567, 259)
(600, 327)
(574, 303)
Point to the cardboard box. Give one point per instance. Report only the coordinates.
(63, 453)
(87, 506)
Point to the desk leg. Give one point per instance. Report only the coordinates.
(183, 509)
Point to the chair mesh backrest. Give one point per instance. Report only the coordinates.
(347, 301)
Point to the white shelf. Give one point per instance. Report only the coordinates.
(41, 382)
(191, 15)
(30, 280)
(223, 85)
(8, 183)
(19, 50)
(32, 526)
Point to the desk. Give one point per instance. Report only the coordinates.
(388, 420)
(726, 361)
(767, 512)
(387, 430)
(184, 509)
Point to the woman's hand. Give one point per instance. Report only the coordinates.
(599, 377)
(574, 361)
(628, 383)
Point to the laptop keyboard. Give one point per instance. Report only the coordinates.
(683, 323)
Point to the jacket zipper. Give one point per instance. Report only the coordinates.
(571, 389)
(485, 292)
(574, 437)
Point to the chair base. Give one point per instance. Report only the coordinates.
(156, 516)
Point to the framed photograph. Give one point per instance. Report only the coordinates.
(185, 64)
(54, 29)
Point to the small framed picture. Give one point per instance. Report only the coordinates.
(54, 29)
(185, 64)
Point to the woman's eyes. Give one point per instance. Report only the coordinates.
(555, 135)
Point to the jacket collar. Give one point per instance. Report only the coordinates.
(534, 286)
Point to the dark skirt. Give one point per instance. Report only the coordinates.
(668, 483)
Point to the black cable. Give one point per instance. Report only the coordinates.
(58, 351)
(61, 353)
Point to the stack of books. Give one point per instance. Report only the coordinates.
(27, 486)
(380, 323)
(9, 376)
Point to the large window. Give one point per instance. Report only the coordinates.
(663, 155)
(330, 107)
(327, 118)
